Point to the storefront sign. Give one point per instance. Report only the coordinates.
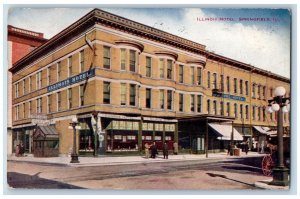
(72, 80)
(233, 97)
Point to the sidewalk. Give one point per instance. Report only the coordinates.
(113, 160)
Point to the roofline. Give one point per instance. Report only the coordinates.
(105, 18)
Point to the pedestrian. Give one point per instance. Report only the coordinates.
(22, 150)
(228, 149)
(147, 147)
(165, 150)
(246, 148)
(153, 150)
(18, 150)
(175, 147)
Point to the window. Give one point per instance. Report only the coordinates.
(199, 76)
(123, 93)
(235, 85)
(123, 59)
(215, 107)
(215, 81)
(148, 66)
(264, 92)
(222, 108)
(39, 105)
(30, 84)
(253, 113)
(169, 69)
(106, 57)
(70, 66)
(192, 75)
(247, 112)
(24, 110)
(17, 112)
(235, 110)
(264, 114)
(58, 71)
(148, 98)
(258, 91)
(208, 79)
(241, 111)
(241, 86)
(16, 90)
(199, 103)
(58, 101)
(132, 60)
(222, 83)
(70, 98)
(49, 75)
(192, 103)
(271, 92)
(81, 60)
(106, 92)
(81, 91)
(247, 87)
(228, 84)
(228, 109)
(39, 80)
(253, 90)
(49, 103)
(259, 113)
(180, 102)
(132, 94)
(161, 68)
(24, 89)
(30, 109)
(180, 73)
(208, 106)
(169, 100)
(162, 99)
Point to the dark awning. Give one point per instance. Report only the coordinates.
(48, 132)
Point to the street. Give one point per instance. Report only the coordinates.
(205, 174)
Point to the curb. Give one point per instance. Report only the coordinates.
(264, 184)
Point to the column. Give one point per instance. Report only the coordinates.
(140, 135)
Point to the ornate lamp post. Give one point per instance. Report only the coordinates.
(73, 125)
(278, 104)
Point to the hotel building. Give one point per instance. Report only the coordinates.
(130, 84)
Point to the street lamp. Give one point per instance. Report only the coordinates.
(279, 104)
(73, 126)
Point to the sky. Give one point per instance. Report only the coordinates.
(264, 43)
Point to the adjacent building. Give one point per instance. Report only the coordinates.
(20, 43)
(130, 84)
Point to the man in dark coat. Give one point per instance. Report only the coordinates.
(165, 150)
(153, 150)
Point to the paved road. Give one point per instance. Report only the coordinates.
(220, 174)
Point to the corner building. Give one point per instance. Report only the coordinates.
(130, 84)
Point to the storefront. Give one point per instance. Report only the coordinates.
(23, 136)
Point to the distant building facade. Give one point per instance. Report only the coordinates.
(130, 84)
(20, 43)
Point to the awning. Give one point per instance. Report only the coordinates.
(272, 133)
(225, 132)
(46, 132)
(262, 130)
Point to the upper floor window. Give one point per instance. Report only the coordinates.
(253, 91)
(16, 90)
(49, 75)
(70, 98)
(192, 73)
(199, 103)
(169, 69)
(58, 101)
(241, 86)
(148, 66)
(132, 60)
(123, 93)
(81, 60)
(208, 106)
(58, 71)
(192, 103)
(258, 91)
(162, 99)
(30, 83)
(228, 84)
(123, 59)
(180, 102)
(169, 99)
(246, 87)
(180, 73)
(253, 113)
(70, 66)
(161, 68)
(148, 97)
(228, 109)
(39, 105)
(259, 113)
(132, 94)
(106, 92)
(235, 110)
(241, 111)
(106, 57)
(49, 103)
(222, 108)
(264, 92)
(222, 82)
(247, 112)
(215, 107)
(24, 88)
(29, 109)
(208, 79)
(81, 91)
(215, 81)
(199, 76)
(39, 80)
(235, 85)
